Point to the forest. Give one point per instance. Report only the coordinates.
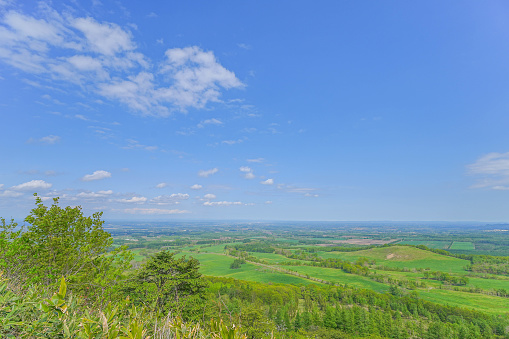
(66, 275)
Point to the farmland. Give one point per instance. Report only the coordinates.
(434, 264)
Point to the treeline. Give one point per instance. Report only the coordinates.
(346, 312)
(446, 277)
(102, 296)
(489, 264)
(259, 247)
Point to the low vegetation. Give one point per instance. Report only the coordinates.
(64, 276)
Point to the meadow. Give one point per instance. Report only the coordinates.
(402, 264)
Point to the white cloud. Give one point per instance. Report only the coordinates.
(491, 163)
(98, 194)
(249, 172)
(102, 58)
(209, 196)
(10, 194)
(104, 38)
(493, 170)
(267, 182)
(153, 211)
(169, 199)
(49, 140)
(222, 203)
(81, 117)
(197, 77)
(258, 160)
(1, 186)
(134, 144)
(500, 188)
(207, 173)
(244, 46)
(232, 142)
(32, 186)
(212, 121)
(136, 200)
(268, 202)
(161, 185)
(196, 187)
(97, 175)
(249, 175)
(311, 195)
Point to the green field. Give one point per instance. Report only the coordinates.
(218, 265)
(415, 261)
(273, 258)
(485, 303)
(443, 245)
(404, 257)
(338, 277)
(462, 245)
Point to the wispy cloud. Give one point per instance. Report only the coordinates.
(212, 121)
(257, 160)
(154, 211)
(103, 58)
(174, 198)
(492, 170)
(244, 46)
(135, 200)
(97, 175)
(135, 144)
(94, 195)
(10, 194)
(207, 173)
(196, 187)
(33, 186)
(161, 185)
(232, 142)
(222, 203)
(48, 140)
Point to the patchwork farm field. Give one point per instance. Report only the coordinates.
(428, 271)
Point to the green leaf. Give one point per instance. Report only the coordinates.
(63, 288)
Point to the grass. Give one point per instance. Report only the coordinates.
(216, 248)
(488, 284)
(339, 277)
(272, 258)
(443, 245)
(462, 245)
(485, 303)
(218, 265)
(404, 257)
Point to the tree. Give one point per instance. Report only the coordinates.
(177, 282)
(61, 242)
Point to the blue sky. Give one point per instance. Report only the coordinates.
(276, 110)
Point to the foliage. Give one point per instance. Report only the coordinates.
(62, 242)
(237, 263)
(173, 284)
(31, 315)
